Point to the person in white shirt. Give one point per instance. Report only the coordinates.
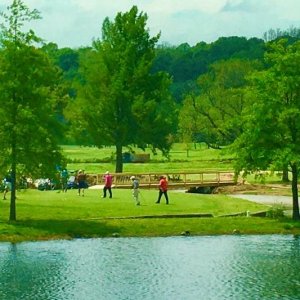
(135, 189)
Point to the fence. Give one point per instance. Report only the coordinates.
(175, 179)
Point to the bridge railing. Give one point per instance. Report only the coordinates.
(175, 179)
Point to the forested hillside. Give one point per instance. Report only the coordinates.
(185, 63)
(189, 67)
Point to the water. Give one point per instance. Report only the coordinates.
(220, 267)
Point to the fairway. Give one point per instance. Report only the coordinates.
(44, 215)
(49, 205)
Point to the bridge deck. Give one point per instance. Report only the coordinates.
(175, 179)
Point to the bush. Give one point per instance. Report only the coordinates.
(276, 212)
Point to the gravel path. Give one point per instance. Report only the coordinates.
(266, 199)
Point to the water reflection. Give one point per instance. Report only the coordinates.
(222, 267)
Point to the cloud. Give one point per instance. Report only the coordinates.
(287, 9)
(74, 23)
(249, 6)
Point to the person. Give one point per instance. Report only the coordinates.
(64, 175)
(81, 178)
(107, 184)
(135, 189)
(7, 185)
(163, 189)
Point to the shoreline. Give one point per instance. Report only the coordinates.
(76, 217)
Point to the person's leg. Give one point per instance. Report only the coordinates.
(104, 192)
(136, 196)
(159, 196)
(166, 196)
(66, 186)
(110, 192)
(4, 194)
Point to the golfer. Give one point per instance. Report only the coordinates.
(81, 181)
(163, 189)
(135, 189)
(7, 185)
(107, 184)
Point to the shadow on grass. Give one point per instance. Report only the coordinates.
(44, 229)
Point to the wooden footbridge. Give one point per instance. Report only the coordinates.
(176, 180)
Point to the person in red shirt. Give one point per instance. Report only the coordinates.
(163, 189)
(107, 185)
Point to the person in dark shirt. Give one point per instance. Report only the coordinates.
(81, 181)
(64, 175)
(7, 185)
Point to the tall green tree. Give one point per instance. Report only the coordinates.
(28, 101)
(122, 102)
(215, 112)
(271, 129)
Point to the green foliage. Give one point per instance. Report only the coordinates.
(185, 64)
(120, 101)
(30, 100)
(271, 128)
(276, 212)
(17, 15)
(214, 115)
(292, 34)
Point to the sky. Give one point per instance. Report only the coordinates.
(75, 23)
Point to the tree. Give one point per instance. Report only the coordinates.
(28, 89)
(271, 129)
(292, 34)
(122, 102)
(216, 111)
(189, 126)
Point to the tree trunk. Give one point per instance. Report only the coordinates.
(119, 159)
(296, 215)
(12, 214)
(285, 174)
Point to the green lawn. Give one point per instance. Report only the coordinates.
(97, 161)
(53, 215)
(199, 158)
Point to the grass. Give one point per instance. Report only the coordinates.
(53, 215)
(199, 158)
(97, 161)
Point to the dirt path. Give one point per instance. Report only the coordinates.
(266, 199)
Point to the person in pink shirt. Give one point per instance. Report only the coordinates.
(163, 189)
(107, 184)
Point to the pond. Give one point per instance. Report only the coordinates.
(207, 267)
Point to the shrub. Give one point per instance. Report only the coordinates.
(276, 212)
